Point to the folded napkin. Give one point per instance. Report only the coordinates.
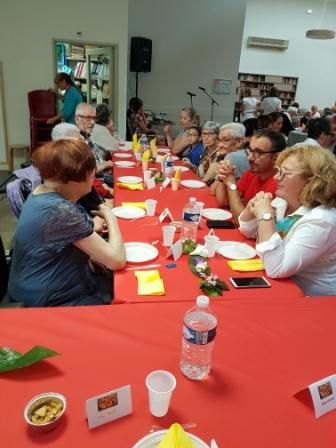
(130, 186)
(176, 437)
(246, 265)
(200, 250)
(134, 204)
(150, 283)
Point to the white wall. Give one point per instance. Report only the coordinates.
(194, 42)
(26, 32)
(312, 61)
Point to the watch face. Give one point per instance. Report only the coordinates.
(266, 216)
(233, 187)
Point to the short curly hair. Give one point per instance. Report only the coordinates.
(318, 166)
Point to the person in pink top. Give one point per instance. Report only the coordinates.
(263, 151)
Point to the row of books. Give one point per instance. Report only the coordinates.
(97, 69)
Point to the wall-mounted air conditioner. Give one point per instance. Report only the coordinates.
(266, 42)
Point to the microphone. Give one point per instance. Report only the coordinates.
(191, 94)
(201, 88)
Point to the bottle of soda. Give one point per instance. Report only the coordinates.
(199, 332)
(190, 220)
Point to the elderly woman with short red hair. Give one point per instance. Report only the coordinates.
(55, 240)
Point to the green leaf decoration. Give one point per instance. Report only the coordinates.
(188, 246)
(12, 360)
(210, 284)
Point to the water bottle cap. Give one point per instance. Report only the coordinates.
(202, 301)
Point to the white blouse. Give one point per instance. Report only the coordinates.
(307, 253)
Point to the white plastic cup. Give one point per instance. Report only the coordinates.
(160, 385)
(138, 156)
(210, 243)
(147, 175)
(151, 206)
(168, 235)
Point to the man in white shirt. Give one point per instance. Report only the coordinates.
(319, 133)
(314, 112)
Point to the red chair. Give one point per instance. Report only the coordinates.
(42, 105)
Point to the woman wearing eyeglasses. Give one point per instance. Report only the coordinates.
(303, 244)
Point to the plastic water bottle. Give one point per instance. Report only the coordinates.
(144, 143)
(169, 166)
(190, 220)
(199, 332)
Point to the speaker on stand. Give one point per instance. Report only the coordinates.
(141, 57)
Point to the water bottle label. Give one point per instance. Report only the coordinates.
(198, 337)
(192, 217)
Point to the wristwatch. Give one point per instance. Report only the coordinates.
(266, 216)
(233, 187)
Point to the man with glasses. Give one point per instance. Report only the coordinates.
(85, 118)
(263, 151)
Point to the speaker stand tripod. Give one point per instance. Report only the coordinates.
(136, 84)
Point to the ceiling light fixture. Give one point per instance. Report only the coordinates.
(321, 33)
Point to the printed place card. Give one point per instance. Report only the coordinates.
(322, 395)
(108, 406)
(166, 216)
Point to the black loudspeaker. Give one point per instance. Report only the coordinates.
(141, 54)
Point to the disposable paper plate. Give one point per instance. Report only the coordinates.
(181, 167)
(120, 155)
(235, 250)
(140, 252)
(164, 150)
(216, 213)
(193, 183)
(124, 163)
(128, 212)
(125, 146)
(152, 440)
(130, 179)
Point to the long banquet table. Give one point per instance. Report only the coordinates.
(180, 283)
(264, 353)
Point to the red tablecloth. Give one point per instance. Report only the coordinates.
(180, 283)
(264, 352)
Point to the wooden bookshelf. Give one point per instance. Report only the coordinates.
(260, 86)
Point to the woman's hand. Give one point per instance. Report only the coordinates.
(103, 212)
(167, 130)
(261, 203)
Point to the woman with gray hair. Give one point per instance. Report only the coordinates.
(231, 137)
(210, 133)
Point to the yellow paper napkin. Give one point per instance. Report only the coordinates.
(176, 437)
(150, 283)
(134, 204)
(134, 139)
(246, 265)
(146, 155)
(130, 186)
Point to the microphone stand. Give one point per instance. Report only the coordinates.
(191, 98)
(213, 101)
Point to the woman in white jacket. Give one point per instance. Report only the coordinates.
(303, 244)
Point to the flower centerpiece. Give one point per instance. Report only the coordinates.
(210, 284)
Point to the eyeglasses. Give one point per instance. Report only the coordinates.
(257, 153)
(192, 135)
(87, 117)
(208, 134)
(281, 173)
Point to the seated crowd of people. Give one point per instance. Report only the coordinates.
(68, 243)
